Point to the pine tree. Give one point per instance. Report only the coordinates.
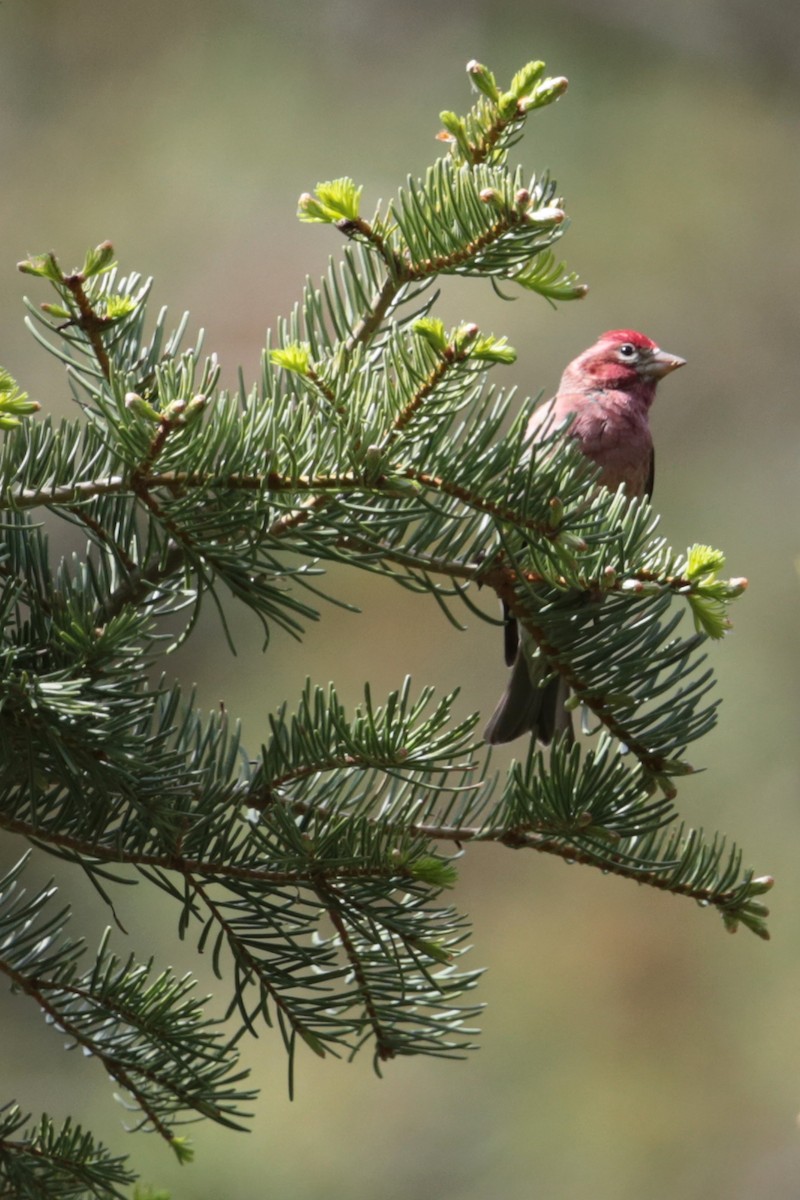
(315, 869)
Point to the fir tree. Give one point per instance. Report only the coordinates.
(315, 869)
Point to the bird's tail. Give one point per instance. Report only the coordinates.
(526, 707)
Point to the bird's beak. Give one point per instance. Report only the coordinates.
(660, 363)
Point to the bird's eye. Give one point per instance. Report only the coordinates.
(627, 350)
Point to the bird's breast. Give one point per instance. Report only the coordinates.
(614, 433)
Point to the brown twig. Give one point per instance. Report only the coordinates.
(88, 321)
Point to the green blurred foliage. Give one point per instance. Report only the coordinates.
(630, 1048)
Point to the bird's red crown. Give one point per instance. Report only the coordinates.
(628, 335)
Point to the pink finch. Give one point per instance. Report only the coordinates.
(609, 388)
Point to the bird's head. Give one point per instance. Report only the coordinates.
(625, 361)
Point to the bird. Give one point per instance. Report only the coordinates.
(608, 391)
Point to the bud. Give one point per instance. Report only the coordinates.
(432, 330)
(525, 80)
(455, 130)
(98, 260)
(668, 788)
(508, 106)
(556, 512)
(494, 350)
(141, 407)
(196, 405)
(373, 462)
(295, 357)
(310, 209)
(463, 337)
(678, 766)
(548, 91)
(546, 216)
(452, 122)
(14, 404)
(483, 79)
(572, 541)
(44, 265)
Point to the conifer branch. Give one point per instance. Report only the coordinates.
(373, 320)
(374, 438)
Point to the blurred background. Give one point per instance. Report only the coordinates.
(630, 1047)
